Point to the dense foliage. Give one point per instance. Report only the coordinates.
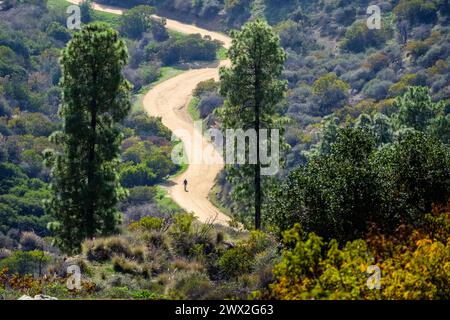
(413, 264)
(365, 183)
(252, 89)
(85, 187)
(29, 99)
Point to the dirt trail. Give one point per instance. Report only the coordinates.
(170, 24)
(169, 100)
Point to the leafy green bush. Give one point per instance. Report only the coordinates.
(399, 88)
(413, 262)
(146, 126)
(22, 207)
(363, 176)
(359, 37)
(332, 91)
(235, 262)
(147, 223)
(146, 163)
(416, 109)
(313, 269)
(206, 86)
(137, 175)
(150, 73)
(187, 48)
(10, 175)
(141, 195)
(191, 239)
(146, 295)
(58, 32)
(35, 124)
(190, 285)
(136, 21)
(416, 11)
(377, 89)
(26, 262)
(414, 173)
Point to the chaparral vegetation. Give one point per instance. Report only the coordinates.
(364, 183)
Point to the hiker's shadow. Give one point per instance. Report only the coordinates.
(168, 183)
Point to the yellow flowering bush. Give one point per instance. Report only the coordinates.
(414, 264)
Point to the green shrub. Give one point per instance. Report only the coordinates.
(399, 88)
(157, 239)
(105, 248)
(58, 32)
(10, 176)
(206, 86)
(190, 285)
(187, 48)
(182, 234)
(359, 37)
(146, 126)
(117, 293)
(416, 108)
(33, 123)
(235, 262)
(124, 265)
(332, 91)
(147, 224)
(149, 73)
(137, 175)
(26, 262)
(417, 48)
(416, 11)
(30, 241)
(136, 21)
(141, 195)
(190, 239)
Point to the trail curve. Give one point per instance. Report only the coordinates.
(169, 100)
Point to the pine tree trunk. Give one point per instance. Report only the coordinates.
(257, 175)
(90, 222)
(257, 194)
(258, 161)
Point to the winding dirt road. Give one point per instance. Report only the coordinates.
(169, 100)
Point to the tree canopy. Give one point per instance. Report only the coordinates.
(85, 184)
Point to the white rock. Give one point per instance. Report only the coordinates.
(37, 297)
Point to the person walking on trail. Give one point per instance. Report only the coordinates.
(185, 185)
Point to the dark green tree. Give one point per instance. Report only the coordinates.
(86, 10)
(414, 173)
(253, 90)
(136, 21)
(379, 125)
(417, 110)
(337, 194)
(85, 183)
(416, 11)
(340, 192)
(328, 134)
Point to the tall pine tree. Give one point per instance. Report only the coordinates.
(253, 90)
(85, 185)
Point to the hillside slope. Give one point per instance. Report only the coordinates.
(169, 101)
